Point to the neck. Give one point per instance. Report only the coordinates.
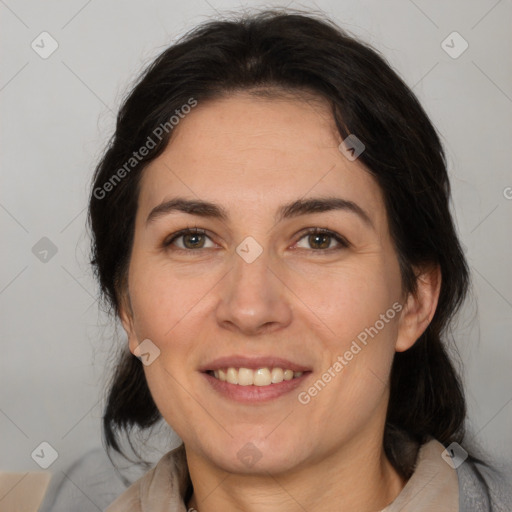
(356, 477)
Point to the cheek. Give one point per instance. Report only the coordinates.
(345, 301)
(163, 297)
(356, 370)
(171, 392)
(356, 310)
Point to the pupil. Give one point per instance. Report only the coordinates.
(189, 236)
(313, 239)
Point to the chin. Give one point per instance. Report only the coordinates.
(246, 456)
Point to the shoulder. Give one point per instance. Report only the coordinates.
(471, 484)
(90, 481)
(483, 488)
(161, 488)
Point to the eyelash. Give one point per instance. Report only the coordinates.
(343, 243)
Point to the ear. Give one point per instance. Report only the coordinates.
(419, 308)
(126, 317)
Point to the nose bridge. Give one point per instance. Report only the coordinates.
(252, 298)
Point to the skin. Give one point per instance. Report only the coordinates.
(251, 155)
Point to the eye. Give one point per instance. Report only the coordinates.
(189, 239)
(319, 239)
(322, 240)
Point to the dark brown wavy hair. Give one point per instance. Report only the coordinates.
(298, 52)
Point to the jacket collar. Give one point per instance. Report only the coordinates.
(432, 486)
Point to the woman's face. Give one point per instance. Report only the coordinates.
(258, 291)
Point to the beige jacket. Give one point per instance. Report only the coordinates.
(433, 486)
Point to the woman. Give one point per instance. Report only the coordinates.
(271, 224)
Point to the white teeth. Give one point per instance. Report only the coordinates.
(245, 377)
(232, 376)
(277, 375)
(262, 377)
(259, 377)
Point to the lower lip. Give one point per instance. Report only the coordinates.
(254, 394)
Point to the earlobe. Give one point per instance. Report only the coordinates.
(126, 317)
(419, 309)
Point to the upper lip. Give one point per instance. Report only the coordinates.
(253, 363)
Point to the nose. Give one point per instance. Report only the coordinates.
(253, 298)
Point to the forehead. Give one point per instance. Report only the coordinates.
(252, 154)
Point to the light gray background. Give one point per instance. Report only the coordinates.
(57, 114)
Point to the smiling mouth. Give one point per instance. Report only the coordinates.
(258, 377)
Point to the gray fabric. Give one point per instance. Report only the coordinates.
(92, 483)
(482, 489)
(89, 485)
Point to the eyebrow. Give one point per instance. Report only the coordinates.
(286, 211)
